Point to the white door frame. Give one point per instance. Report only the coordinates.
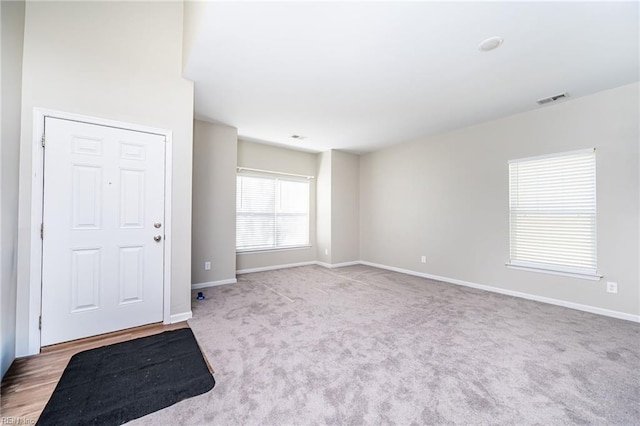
(37, 192)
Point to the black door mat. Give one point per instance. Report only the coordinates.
(114, 384)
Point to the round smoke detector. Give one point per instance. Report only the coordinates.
(490, 44)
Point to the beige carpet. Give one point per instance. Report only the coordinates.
(360, 345)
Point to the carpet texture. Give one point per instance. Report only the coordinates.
(360, 345)
(114, 384)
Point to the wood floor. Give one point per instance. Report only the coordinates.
(30, 381)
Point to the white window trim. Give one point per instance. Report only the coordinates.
(271, 250)
(557, 155)
(589, 277)
(246, 171)
(539, 267)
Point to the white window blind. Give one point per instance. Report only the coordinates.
(552, 204)
(271, 212)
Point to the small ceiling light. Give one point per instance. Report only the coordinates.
(490, 44)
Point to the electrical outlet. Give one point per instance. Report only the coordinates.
(207, 266)
(612, 287)
(423, 259)
(326, 252)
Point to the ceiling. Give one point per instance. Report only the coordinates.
(361, 76)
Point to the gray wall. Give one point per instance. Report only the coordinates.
(214, 202)
(268, 157)
(345, 207)
(114, 60)
(324, 250)
(338, 207)
(12, 14)
(334, 214)
(446, 197)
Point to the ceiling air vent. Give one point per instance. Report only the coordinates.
(553, 98)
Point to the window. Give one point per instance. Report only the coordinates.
(552, 203)
(271, 213)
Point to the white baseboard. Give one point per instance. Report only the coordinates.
(549, 300)
(338, 265)
(213, 283)
(274, 267)
(181, 317)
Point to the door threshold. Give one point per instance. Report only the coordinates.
(115, 336)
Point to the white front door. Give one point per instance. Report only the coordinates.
(103, 230)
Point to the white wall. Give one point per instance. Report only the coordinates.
(446, 197)
(114, 60)
(194, 18)
(215, 150)
(268, 157)
(12, 18)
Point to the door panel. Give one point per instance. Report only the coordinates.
(103, 192)
(131, 275)
(86, 198)
(85, 279)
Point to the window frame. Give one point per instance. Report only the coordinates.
(276, 178)
(546, 267)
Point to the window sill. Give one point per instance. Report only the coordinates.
(272, 250)
(552, 272)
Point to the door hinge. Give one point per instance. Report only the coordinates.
(40, 323)
(42, 140)
(42, 231)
